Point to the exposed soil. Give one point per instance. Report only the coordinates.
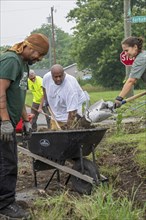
(131, 180)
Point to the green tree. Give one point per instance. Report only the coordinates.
(63, 43)
(98, 34)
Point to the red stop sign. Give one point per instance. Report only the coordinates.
(125, 59)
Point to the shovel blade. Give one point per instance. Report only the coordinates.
(97, 116)
(99, 111)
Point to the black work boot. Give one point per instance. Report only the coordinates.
(14, 212)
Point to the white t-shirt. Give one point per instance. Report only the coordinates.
(63, 98)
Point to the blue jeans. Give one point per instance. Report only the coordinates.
(8, 171)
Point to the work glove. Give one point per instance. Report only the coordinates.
(27, 130)
(118, 102)
(6, 131)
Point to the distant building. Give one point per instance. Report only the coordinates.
(87, 76)
(72, 70)
(41, 72)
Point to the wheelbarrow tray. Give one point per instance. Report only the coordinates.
(51, 149)
(65, 144)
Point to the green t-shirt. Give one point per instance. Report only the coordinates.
(138, 69)
(13, 68)
(36, 89)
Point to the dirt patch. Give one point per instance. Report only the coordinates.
(129, 179)
(26, 189)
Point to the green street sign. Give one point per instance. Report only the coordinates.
(138, 19)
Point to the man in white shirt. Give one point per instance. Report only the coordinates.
(64, 95)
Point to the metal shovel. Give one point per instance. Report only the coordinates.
(102, 110)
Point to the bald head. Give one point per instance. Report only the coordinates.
(32, 75)
(58, 74)
(57, 68)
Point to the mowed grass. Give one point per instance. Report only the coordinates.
(29, 98)
(105, 95)
(94, 95)
(109, 95)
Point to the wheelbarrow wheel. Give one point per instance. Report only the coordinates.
(82, 186)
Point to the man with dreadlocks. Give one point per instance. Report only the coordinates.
(14, 71)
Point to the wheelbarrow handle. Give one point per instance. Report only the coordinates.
(133, 97)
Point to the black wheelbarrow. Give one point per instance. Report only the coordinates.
(51, 150)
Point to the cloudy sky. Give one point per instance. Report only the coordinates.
(19, 18)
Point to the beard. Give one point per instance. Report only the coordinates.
(30, 62)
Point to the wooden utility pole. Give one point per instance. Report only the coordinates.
(49, 20)
(127, 33)
(53, 35)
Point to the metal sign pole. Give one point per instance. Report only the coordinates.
(127, 33)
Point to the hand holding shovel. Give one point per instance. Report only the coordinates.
(121, 102)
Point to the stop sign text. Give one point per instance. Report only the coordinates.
(127, 61)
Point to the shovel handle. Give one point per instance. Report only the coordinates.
(133, 97)
(38, 111)
(52, 115)
(53, 118)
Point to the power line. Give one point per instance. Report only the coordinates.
(14, 36)
(30, 9)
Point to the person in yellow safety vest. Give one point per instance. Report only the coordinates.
(35, 86)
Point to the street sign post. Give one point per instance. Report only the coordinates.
(138, 19)
(125, 59)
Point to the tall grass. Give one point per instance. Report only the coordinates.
(101, 205)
